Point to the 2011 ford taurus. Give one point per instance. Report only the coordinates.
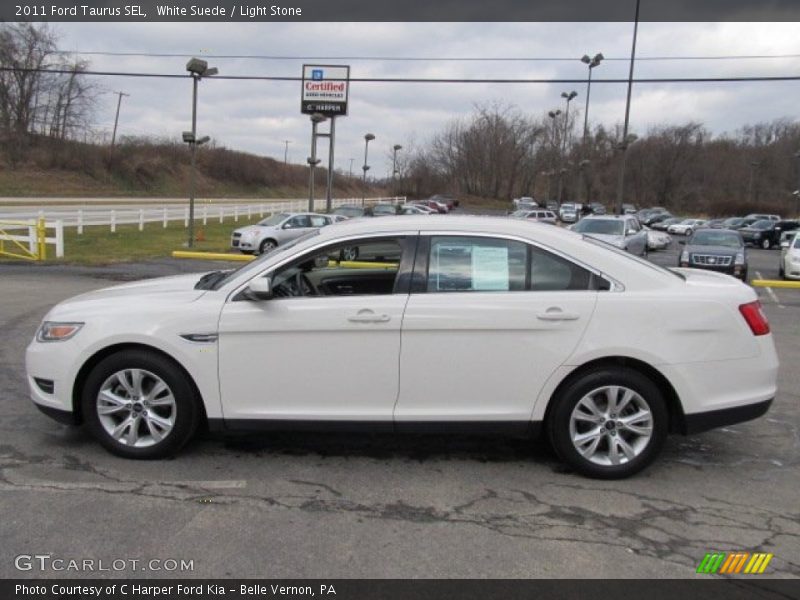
(545, 331)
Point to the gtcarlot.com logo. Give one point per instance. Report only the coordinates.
(47, 562)
(734, 563)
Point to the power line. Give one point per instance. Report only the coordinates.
(415, 79)
(425, 58)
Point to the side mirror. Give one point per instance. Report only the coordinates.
(260, 288)
(288, 225)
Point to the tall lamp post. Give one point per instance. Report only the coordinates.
(395, 148)
(197, 69)
(623, 147)
(553, 114)
(569, 97)
(367, 139)
(591, 63)
(312, 160)
(797, 191)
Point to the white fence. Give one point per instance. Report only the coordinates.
(35, 238)
(84, 216)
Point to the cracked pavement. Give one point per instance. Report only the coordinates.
(310, 505)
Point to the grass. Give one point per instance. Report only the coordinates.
(98, 246)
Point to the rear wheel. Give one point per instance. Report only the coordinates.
(609, 423)
(765, 244)
(139, 405)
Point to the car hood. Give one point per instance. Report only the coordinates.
(159, 291)
(714, 250)
(744, 230)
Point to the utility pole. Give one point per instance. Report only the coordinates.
(351, 166)
(286, 151)
(116, 118)
(624, 145)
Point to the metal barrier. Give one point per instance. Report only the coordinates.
(775, 283)
(33, 245)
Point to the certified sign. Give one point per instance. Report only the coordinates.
(325, 89)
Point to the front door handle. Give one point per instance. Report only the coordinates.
(556, 314)
(367, 316)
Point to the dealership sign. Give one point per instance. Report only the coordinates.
(325, 90)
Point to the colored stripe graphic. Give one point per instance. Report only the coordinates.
(758, 563)
(734, 563)
(711, 562)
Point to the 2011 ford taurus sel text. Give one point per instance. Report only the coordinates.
(544, 330)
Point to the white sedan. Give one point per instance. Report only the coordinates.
(789, 267)
(686, 227)
(657, 240)
(544, 330)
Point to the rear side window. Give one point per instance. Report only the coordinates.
(474, 264)
(477, 264)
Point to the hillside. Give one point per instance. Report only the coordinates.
(48, 167)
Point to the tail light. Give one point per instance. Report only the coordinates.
(755, 317)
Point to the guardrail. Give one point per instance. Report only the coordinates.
(33, 244)
(81, 217)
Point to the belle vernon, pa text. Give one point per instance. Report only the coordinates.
(169, 591)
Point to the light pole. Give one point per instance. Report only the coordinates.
(753, 171)
(569, 97)
(116, 119)
(553, 114)
(395, 148)
(351, 167)
(197, 69)
(367, 139)
(591, 63)
(624, 146)
(286, 151)
(797, 191)
(312, 160)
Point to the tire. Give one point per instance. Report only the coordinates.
(605, 461)
(781, 272)
(266, 246)
(688, 232)
(766, 244)
(163, 424)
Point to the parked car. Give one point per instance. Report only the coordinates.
(664, 224)
(733, 223)
(624, 232)
(440, 207)
(540, 215)
(719, 250)
(763, 217)
(384, 210)
(716, 224)
(628, 209)
(352, 211)
(657, 240)
(276, 230)
(144, 365)
(425, 208)
(410, 209)
(767, 233)
(686, 227)
(568, 213)
(789, 267)
(524, 202)
(552, 205)
(597, 208)
(447, 199)
(655, 218)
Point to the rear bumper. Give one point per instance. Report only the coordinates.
(704, 421)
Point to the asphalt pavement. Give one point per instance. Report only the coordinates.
(333, 506)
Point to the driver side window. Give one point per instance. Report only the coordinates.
(364, 267)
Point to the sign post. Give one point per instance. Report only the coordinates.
(325, 93)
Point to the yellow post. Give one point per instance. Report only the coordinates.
(775, 283)
(41, 238)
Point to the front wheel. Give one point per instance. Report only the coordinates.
(609, 423)
(688, 232)
(267, 246)
(139, 405)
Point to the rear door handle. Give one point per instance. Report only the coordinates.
(367, 316)
(556, 314)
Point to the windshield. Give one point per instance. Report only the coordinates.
(715, 237)
(349, 211)
(762, 224)
(601, 226)
(275, 219)
(256, 264)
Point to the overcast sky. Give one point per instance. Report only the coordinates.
(256, 116)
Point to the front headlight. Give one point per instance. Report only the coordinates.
(54, 331)
(739, 260)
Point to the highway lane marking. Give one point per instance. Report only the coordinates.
(771, 293)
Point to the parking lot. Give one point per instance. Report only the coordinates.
(334, 506)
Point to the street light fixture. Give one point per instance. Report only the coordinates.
(396, 147)
(367, 139)
(197, 69)
(569, 97)
(591, 63)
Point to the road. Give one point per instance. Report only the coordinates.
(305, 505)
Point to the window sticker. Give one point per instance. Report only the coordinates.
(490, 268)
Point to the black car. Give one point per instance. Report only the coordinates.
(733, 223)
(352, 212)
(656, 218)
(767, 233)
(719, 250)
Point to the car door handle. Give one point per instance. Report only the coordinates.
(556, 314)
(367, 316)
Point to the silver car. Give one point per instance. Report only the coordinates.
(621, 231)
(275, 231)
